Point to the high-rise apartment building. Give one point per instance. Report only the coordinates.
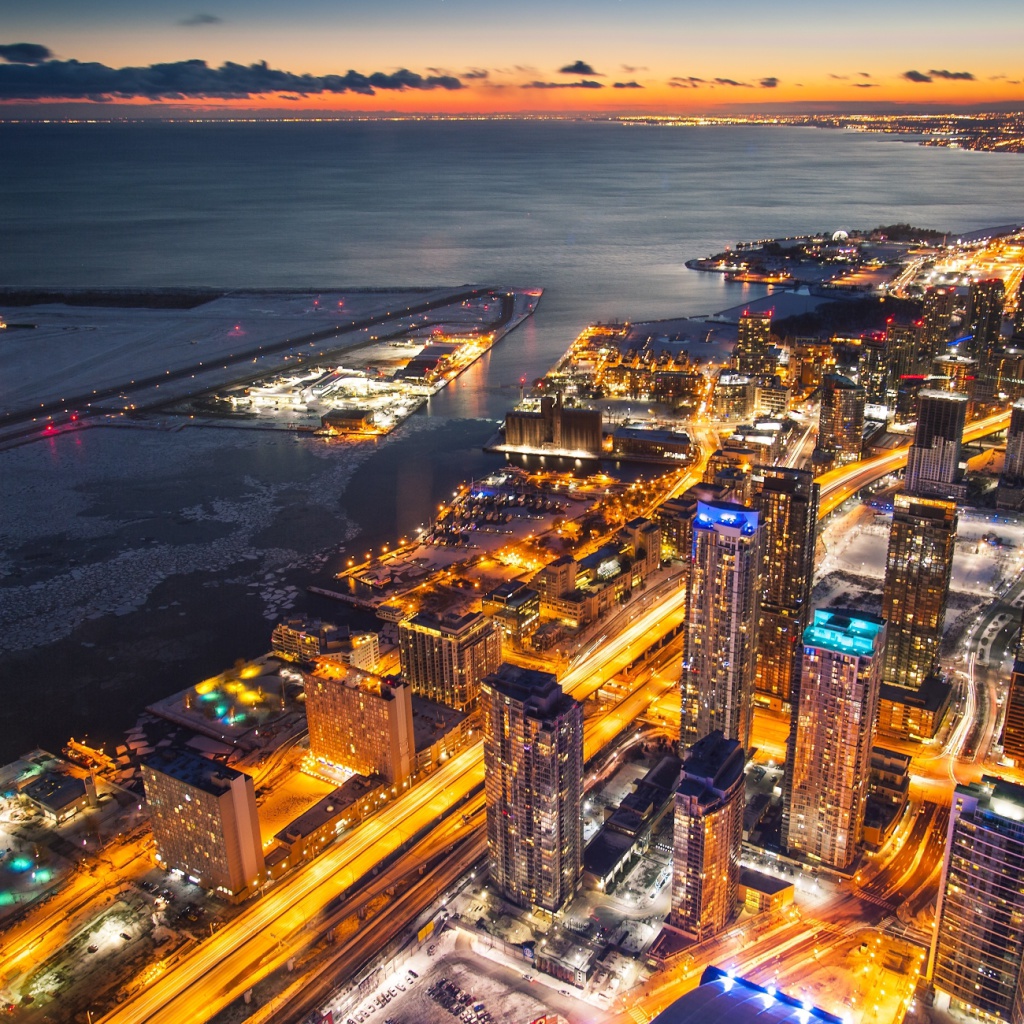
(445, 659)
(933, 462)
(360, 722)
(204, 821)
(986, 313)
(708, 837)
(840, 420)
(721, 623)
(533, 758)
(918, 567)
(1010, 493)
(754, 354)
(939, 304)
(787, 500)
(729, 468)
(828, 758)
(978, 944)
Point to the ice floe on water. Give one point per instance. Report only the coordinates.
(92, 523)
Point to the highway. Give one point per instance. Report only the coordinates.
(260, 937)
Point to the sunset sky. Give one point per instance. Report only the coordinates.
(499, 56)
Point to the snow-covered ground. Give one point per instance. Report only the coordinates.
(74, 350)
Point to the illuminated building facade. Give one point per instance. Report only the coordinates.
(978, 945)
(515, 609)
(840, 420)
(556, 428)
(986, 313)
(933, 462)
(729, 468)
(721, 623)
(1011, 481)
(828, 757)
(787, 500)
(360, 722)
(204, 821)
(733, 397)
(754, 354)
(445, 659)
(918, 567)
(533, 759)
(937, 315)
(708, 837)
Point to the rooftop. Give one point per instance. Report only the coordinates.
(842, 632)
(193, 770)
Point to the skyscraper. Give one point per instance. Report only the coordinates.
(754, 354)
(533, 757)
(721, 623)
(978, 944)
(840, 420)
(938, 317)
(933, 462)
(445, 659)
(986, 313)
(918, 567)
(787, 500)
(1013, 724)
(828, 758)
(708, 837)
(204, 821)
(360, 722)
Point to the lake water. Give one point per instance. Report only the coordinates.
(133, 562)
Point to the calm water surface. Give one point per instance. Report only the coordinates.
(203, 535)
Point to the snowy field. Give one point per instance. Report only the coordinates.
(989, 548)
(74, 350)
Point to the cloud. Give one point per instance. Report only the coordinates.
(953, 76)
(585, 84)
(733, 82)
(915, 76)
(24, 53)
(476, 74)
(627, 85)
(197, 20)
(580, 67)
(632, 70)
(839, 78)
(679, 82)
(769, 83)
(863, 74)
(865, 85)
(193, 79)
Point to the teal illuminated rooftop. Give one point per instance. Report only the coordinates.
(843, 632)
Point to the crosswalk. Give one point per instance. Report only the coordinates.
(877, 900)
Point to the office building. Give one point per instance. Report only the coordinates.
(754, 354)
(986, 313)
(721, 623)
(933, 462)
(840, 421)
(708, 837)
(515, 609)
(533, 759)
(918, 567)
(787, 500)
(204, 821)
(978, 943)
(828, 757)
(444, 659)
(937, 315)
(360, 722)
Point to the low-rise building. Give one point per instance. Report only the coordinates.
(913, 714)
